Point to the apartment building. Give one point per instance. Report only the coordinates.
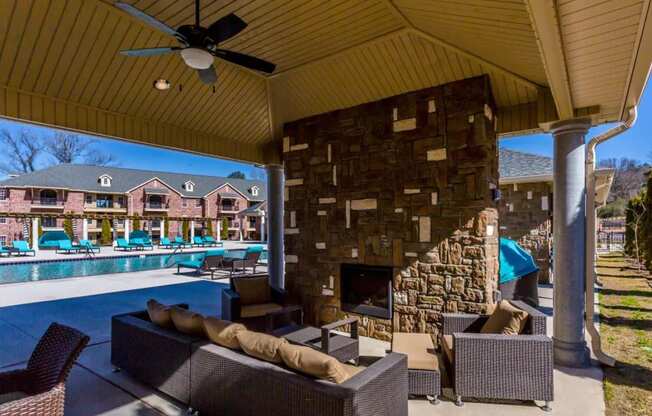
(152, 196)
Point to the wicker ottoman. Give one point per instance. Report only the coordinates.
(423, 364)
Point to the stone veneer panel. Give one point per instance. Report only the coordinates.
(527, 222)
(453, 265)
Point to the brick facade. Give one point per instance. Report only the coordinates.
(404, 182)
(135, 203)
(525, 211)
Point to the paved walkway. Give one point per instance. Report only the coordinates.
(88, 303)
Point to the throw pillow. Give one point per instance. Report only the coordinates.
(223, 333)
(314, 363)
(262, 346)
(187, 322)
(159, 314)
(506, 319)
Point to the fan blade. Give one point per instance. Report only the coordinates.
(157, 24)
(208, 75)
(147, 51)
(245, 60)
(226, 28)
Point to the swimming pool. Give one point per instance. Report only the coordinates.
(49, 270)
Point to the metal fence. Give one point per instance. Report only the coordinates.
(611, 234)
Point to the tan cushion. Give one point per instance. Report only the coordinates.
(262, 346)
(253, 290)
(188, 322)
(261, 309)
(506, 319)
(314, 363)
(447, 347)
(223, 333)
(159, 314)
(419, 349)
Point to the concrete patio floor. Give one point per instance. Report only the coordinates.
(26, 309)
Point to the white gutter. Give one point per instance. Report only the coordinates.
(590, 254)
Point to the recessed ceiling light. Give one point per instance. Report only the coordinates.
(162, 84)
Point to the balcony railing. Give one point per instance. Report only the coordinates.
(48, 203)
(228, 207)
(156, 206)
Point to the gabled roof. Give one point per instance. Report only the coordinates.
(85, 178)
(519, 165)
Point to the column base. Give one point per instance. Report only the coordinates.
(571, 354)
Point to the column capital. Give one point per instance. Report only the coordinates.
(573, 125)
(274, 166)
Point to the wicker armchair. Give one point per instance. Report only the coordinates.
(495, 366)
(40, 388)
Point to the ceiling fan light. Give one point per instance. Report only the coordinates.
(197, 58)
(162, 84)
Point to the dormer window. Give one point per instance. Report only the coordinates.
(105, 181)
(254, 190)
(189, 186)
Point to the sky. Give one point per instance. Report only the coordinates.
(635, 143)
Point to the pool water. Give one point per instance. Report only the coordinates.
(29, 272)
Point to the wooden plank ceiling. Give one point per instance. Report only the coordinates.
(59, 64)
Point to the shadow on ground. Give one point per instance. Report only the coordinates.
(92, 314)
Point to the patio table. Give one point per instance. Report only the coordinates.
(344, 348)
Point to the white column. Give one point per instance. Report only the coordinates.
(569, 344)
(262, 226)
(162, 229)
(127, 226)
(275, 207)
(242, 225)
(35, 235)
(192, 230)
(219, 229)
(84, 229)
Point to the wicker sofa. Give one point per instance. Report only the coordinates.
(214, 380)
(494, 366)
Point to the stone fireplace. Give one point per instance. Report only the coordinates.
(366, 290)
(402, 187)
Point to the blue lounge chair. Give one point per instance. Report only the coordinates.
(211, 261)
(5, 252)
(197, 241)
(181, 242)
(87, 245)
(66, 247)
(21, 248)
(141, 243)
(240, 260)
(122, 244)
(211, 242)
(166, 243)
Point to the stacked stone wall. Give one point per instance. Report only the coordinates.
(407, 182)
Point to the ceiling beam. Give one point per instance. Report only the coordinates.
(545, 22)
(396, 11)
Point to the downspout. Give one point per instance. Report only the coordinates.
(591, 231)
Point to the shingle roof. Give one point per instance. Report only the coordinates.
(513, 164)
(85, 177)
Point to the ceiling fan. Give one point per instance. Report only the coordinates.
(199, 44)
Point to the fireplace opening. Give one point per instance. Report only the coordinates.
(366, 290)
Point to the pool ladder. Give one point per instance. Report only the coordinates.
(168, 263)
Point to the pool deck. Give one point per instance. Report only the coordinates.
(87, 303)
(48, 255)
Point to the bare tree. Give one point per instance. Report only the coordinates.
(70, 148)
(637, 217)
(629, 176)
(21, 151)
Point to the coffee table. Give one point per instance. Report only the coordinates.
(344, 348)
